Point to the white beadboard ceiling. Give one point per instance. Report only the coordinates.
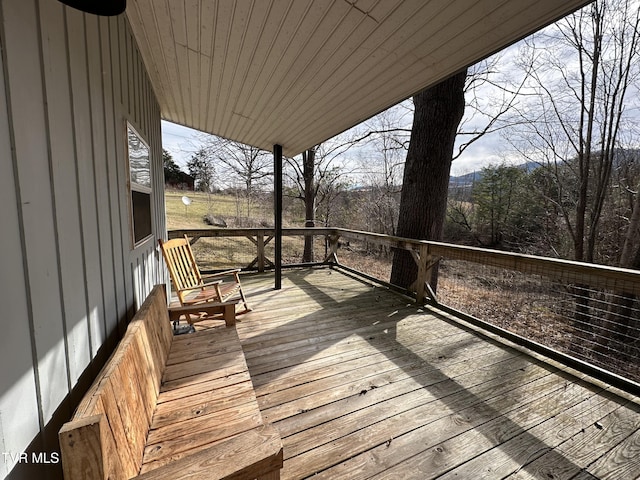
(297, 72)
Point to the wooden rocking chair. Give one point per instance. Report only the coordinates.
(188, 283)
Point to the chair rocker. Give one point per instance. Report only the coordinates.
(188, 283)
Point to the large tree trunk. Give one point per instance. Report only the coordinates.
(423, 203)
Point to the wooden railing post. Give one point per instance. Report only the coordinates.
(423, 271)
(332, 256)
(260, 247)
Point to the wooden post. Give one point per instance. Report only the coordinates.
(332, 256)
(260, 246)
(277, 197)
(424, 260)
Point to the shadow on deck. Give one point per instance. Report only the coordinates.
(361, 383)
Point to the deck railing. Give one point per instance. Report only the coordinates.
(586, 315)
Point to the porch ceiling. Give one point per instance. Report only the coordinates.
(297, 72)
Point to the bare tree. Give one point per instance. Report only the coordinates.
(627, 185)
(491, 92)
(381, 166)
(582, 70)
(237, 163)
(623, 324)
(316, 176)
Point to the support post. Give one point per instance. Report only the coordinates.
(423, 272)
(277, 196)
(260, 247)
(332, 254)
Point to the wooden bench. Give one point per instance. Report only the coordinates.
(171, 407)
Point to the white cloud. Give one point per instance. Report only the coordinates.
(181, 142)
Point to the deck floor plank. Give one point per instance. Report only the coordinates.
(623, 460)
(441, 459)
(582, 441)
(402, 379)
(361, 383)
(507, 443)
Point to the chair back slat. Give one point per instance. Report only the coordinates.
(181, 263)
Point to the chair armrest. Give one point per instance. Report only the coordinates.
(246, 456)
(199, 287)
(209, 284)
(222, 274)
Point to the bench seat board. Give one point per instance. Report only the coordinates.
(188, 389)
(202, 344)
(202, 404)
(245, 456)
(222, 365)
(210, 432)
(195, 425)
(206, 397)
(201, 377)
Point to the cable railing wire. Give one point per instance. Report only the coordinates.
(592, 329)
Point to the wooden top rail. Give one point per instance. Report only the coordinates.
(566, 271)
(381, 239)
(248, 232)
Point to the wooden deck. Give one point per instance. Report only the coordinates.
(361, 383)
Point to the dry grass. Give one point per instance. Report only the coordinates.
(371, 264)
(522, 306)
(224, 253)
(535, 308)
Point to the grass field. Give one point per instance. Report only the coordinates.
(231, 209)
(222, 253)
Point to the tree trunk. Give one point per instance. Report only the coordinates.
(620, 317)
(633, 233)
(308, 167)
(423, 202)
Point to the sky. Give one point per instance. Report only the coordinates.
(183, 142)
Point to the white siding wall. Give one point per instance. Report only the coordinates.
(70, 276)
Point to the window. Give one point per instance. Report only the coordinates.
(140, 185)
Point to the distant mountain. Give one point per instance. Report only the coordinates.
(469, 178)
(466, 179)
(529, 166)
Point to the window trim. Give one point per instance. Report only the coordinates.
(133, 186)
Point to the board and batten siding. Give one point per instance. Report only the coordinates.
(71, 275)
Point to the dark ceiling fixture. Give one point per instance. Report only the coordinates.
(107, 8)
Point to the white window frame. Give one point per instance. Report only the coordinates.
(137, 184)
